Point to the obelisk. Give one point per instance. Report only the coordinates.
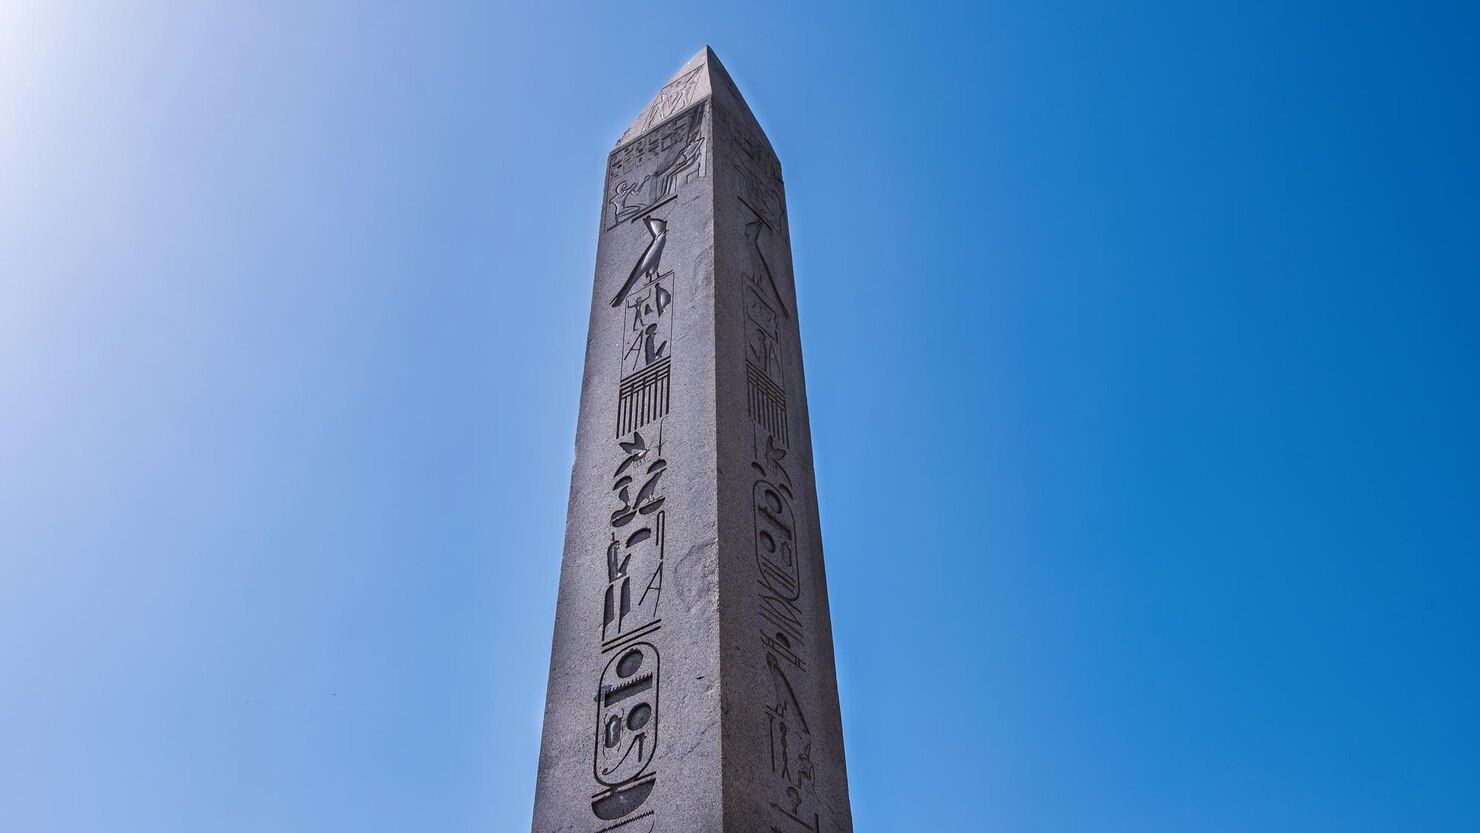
(692, 684)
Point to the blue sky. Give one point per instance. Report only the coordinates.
(1141, 350)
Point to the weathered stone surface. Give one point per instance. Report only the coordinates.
(692, 685)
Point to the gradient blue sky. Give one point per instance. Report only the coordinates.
(1141, 341)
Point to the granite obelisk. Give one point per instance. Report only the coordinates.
(692, 684)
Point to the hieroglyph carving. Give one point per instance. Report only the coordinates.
(672, 98)
(649, 171)
(646, 298)
(636, 546)
(755, 168)
(628, 715)
(643, 397)
(759, 274)
(780, 596)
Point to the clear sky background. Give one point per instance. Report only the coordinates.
(1142, 350)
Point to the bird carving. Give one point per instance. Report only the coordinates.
(648, 263)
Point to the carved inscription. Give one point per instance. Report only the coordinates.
(643, 398)
(750, 147)
(780, 595)
(762, 196)
(767, 403)
(649, 171)
(647, 299)
(762, 334)
(636, 547)
(776, 542)
(791, 746)
(765, 380)
(643, 823)
(626, 761)
(672, 98)
(756, 170)
(626, 715)
(649, 326)
(759, 274)
(646, 267)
